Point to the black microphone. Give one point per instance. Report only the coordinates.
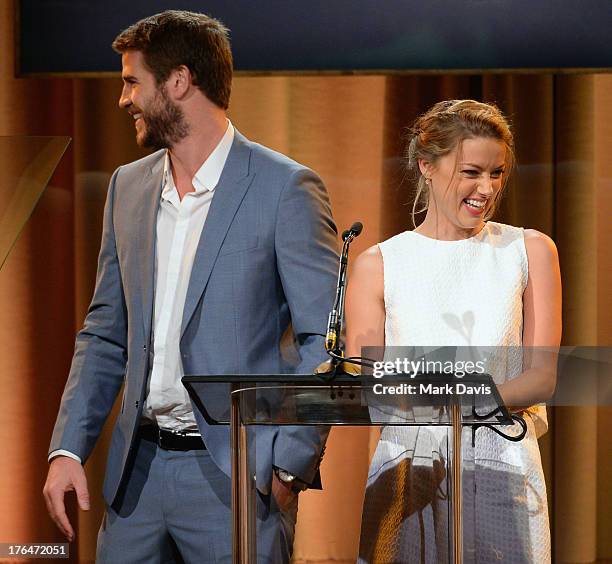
(354, 231)
(334, 322)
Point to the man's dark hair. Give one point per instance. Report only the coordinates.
(173, 38)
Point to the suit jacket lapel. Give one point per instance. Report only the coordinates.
(229, 193)
(151, 188)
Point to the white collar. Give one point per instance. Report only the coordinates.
(207, 176)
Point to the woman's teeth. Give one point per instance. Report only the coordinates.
(477, 204)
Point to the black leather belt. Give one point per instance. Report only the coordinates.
(171, 440)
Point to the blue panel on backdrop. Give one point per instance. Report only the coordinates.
(73, 36)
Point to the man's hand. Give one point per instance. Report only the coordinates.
(65, 474)
(282, 492)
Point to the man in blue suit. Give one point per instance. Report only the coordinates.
(212, 247)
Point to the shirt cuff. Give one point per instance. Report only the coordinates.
(61, 452)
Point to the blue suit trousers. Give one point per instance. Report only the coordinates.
(176, 507)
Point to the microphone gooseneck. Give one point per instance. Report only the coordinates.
(336, 315)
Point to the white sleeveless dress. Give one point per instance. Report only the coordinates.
(457, 293)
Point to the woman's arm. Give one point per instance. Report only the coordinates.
(541, 325)
(365, 303)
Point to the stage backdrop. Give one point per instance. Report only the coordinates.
(350, 130)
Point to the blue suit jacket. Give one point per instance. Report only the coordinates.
(267, 257)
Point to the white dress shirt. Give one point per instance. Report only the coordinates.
(179, 225)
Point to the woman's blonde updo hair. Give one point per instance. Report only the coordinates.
(443, 128)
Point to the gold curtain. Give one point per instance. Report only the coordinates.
(349, 129)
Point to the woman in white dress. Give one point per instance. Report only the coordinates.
(460, 279)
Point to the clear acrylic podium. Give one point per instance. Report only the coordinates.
(258, 400)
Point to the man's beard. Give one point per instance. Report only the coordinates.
(164, 123)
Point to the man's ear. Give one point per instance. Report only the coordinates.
(179, 82)
(426, 168)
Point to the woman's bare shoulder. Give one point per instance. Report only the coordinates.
(370, 262)
(540, 247)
